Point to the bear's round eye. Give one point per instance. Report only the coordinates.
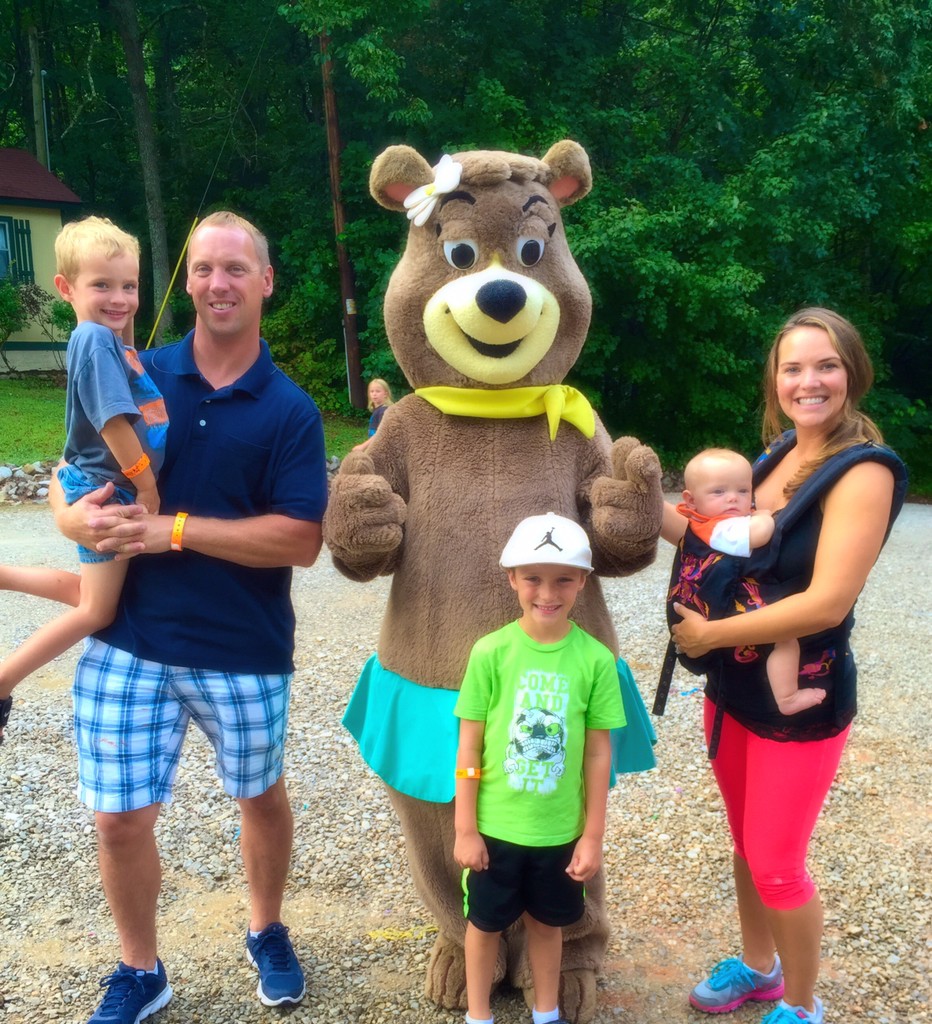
(530, 251)
(461, 253)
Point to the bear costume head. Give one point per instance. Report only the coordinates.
(499, 300)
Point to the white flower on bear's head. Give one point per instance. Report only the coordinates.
(420, 204)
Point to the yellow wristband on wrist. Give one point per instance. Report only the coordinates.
(137, 467)
(468, 773)
(178, 531)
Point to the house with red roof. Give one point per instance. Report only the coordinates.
(34, 205)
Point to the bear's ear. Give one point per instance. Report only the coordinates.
(572, 175)
(395, 174)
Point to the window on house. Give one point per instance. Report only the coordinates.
(16, 250)
(5, 246)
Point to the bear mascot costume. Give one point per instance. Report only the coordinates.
(486, 313)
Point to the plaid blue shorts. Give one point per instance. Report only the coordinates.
(131, 717)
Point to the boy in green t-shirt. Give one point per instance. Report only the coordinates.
(537, 703)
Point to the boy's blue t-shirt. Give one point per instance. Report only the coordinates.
(107, 379)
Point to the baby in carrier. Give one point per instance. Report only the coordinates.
(715, 526)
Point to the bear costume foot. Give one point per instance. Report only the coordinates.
(577, 995)
(446, 974)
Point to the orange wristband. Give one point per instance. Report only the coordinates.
(468, 773)
(178, 531)
(137, 467)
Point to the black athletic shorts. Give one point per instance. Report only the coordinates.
(519, 879)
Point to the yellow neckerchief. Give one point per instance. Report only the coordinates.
(558, 401)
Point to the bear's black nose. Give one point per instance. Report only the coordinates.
(501, 300)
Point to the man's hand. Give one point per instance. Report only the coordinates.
(90, 521)
(144, 534)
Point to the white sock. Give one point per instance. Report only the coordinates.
(545, 1016)
(142, 970)
(474, 1020)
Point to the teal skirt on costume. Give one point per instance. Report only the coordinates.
(408, 734)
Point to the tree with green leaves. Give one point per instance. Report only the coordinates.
(749, 158)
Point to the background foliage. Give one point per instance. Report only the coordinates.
(749, 157)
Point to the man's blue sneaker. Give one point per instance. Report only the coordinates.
(281, 979)
(786, 1014)
(132, 995)
(732, 983)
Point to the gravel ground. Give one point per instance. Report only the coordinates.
(356, 921)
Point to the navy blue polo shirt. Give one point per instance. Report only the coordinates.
(249, 449)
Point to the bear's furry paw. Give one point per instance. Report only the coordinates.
(363, 524)
(577, 995)
(446, 974)
(627, 507)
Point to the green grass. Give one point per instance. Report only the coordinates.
(342, 432)
(32, 418)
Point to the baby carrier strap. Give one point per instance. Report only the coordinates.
(666, 677)
(818, 483)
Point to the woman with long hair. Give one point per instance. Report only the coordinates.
(835, 491)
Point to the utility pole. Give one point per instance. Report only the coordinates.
(357, 391)
(45, 124)
(38, 108)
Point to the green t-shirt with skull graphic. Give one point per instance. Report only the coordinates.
(537, 701)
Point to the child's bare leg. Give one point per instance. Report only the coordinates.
(481, 949)
(544, 953)
(52, 584)
(101, 584)
(783, 674)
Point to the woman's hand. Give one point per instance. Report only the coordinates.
(691, 636)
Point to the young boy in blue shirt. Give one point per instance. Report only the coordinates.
(116, 427)
(536, 705)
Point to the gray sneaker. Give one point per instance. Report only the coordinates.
(732, 983)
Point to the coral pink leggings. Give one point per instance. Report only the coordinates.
(773, 794)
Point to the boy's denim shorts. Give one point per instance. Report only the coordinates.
(131, 717)
(75, 484)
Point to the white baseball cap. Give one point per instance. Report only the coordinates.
(547, 540)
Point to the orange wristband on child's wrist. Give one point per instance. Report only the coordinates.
(142, 463)
(178, 531)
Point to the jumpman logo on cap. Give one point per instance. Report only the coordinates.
(548, 539)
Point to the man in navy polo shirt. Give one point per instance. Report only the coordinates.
(205, 628)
